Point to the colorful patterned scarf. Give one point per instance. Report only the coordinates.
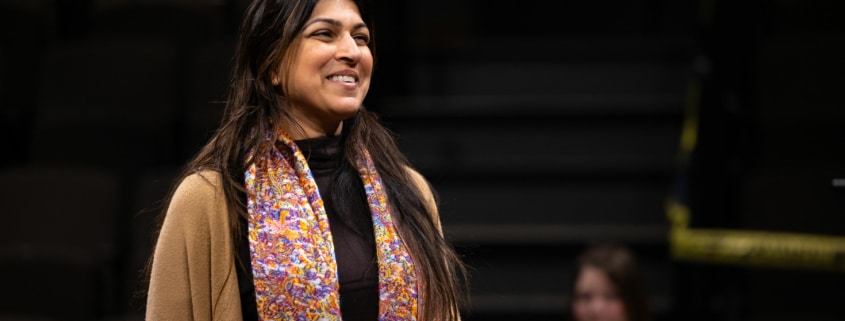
(293, 261)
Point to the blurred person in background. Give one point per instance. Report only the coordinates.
(608, 286)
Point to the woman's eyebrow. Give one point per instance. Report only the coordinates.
(334, 22)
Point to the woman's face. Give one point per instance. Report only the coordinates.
(596, 298)
(329, 75)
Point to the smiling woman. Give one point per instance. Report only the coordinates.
(328, 74)
(301, 206)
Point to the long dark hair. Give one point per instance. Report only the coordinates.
(254, 104)
(620, 265)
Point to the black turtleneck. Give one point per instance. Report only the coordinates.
(352, 233)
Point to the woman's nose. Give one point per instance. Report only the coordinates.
(348, 49)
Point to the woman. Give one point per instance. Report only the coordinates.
(608, 286)
(301, 206)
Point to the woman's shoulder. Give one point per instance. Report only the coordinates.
(200, 183)
(424, 186)
(416, 176)
(419, 181)
(197, 194)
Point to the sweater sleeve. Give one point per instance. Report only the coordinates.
(193, 272)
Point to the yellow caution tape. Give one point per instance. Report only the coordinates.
(752, 247)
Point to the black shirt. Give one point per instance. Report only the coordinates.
(352, 233)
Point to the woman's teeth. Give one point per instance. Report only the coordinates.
(342, 78)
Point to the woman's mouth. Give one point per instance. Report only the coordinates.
(346, 79)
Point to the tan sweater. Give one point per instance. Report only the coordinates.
(193, 272)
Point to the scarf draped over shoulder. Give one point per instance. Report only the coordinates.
(291, 249)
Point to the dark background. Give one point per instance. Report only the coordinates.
(544, 126)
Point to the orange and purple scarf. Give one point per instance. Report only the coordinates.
(292, 253)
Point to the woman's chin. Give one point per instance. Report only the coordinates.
(346, 111)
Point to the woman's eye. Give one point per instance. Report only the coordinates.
(322, 33)
(362, 39)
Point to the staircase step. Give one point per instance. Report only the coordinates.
(534, 77)
(548, 234)
(550, 145)
(480, 106)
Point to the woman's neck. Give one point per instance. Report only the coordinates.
(305, 128)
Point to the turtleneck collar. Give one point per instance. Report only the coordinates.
(322, 153)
